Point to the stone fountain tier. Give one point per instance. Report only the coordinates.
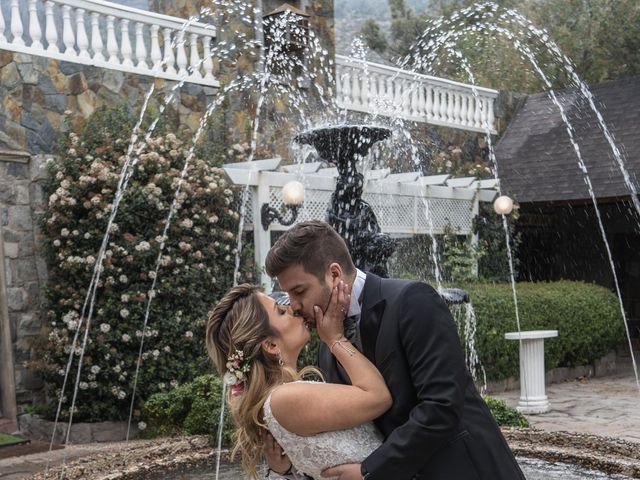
(343, 144)
(454, 296)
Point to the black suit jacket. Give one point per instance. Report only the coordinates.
(438, 427)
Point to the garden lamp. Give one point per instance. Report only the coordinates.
(503, 205)
(292, 197)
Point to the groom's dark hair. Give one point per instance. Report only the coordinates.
(314, 245)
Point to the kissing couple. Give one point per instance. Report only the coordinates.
(397, 401)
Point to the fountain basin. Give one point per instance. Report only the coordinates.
(556, 455)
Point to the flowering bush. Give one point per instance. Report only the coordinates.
(196, 266)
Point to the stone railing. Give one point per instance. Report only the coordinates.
(379, 89)
(108, 35)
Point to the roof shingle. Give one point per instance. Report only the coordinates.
(538, 163)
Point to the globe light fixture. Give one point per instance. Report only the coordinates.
(503, 205)
(292, 197)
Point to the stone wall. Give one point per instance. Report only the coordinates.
(25, 271)
(42, 98)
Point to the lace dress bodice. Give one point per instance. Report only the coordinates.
(317, 452)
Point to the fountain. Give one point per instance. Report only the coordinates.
(352, 217)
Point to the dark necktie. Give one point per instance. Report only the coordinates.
(351, 331)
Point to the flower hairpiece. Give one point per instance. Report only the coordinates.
(237, 368)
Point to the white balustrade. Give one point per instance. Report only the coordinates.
(374, 88)
(120, 38)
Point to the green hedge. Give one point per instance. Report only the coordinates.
(587, 318)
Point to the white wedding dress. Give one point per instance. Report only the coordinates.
(315, 453)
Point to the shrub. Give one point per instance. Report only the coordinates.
(587, 318)
(505, 416)
(190, 409)
(195, 268)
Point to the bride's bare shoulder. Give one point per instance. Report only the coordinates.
(307, 408)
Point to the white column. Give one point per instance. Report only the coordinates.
(141, 49)
(169, 58)
(16, 23)
(475, 211)
(156, 54)
(207, 63)
(112, 43)
(96, 38)
(261, 237)
(34, 26)
(194, 57)
(125, 45)
(2, 27)
(428, 103)
(82, 39)
(68, 37)
(181, 57)
(533, 398)
(346, 89)
(50, 32)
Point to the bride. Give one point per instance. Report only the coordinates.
(255, 343)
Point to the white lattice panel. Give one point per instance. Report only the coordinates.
(396, 214)
(409, 214)
(248, 205)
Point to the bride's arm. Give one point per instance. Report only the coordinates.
(309, 408)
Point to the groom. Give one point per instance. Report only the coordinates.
(438, 427)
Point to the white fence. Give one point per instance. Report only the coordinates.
(379, 89)
(104, 34)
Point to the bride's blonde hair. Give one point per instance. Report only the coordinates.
(240, 323)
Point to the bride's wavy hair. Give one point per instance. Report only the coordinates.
(239, 322)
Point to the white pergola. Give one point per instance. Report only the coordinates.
(405, 204)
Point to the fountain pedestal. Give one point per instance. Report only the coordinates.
(532, 389)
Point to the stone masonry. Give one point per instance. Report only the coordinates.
(25, 270)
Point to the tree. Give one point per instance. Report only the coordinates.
(601, 37)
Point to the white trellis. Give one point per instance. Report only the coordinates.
(404, 203)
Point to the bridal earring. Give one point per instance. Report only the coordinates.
(280, 361)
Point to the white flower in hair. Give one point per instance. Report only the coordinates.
(229, 378)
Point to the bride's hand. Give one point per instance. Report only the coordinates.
(330, 324)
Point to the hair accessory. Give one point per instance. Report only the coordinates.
(237, 368)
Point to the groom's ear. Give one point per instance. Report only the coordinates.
(334, 273)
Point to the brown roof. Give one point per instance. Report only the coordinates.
(537, 162)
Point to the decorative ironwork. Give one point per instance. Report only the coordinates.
(268, 214)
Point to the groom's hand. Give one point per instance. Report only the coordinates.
(348, 471)
(275, 457)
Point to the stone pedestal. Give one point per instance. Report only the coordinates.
(532, 390)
